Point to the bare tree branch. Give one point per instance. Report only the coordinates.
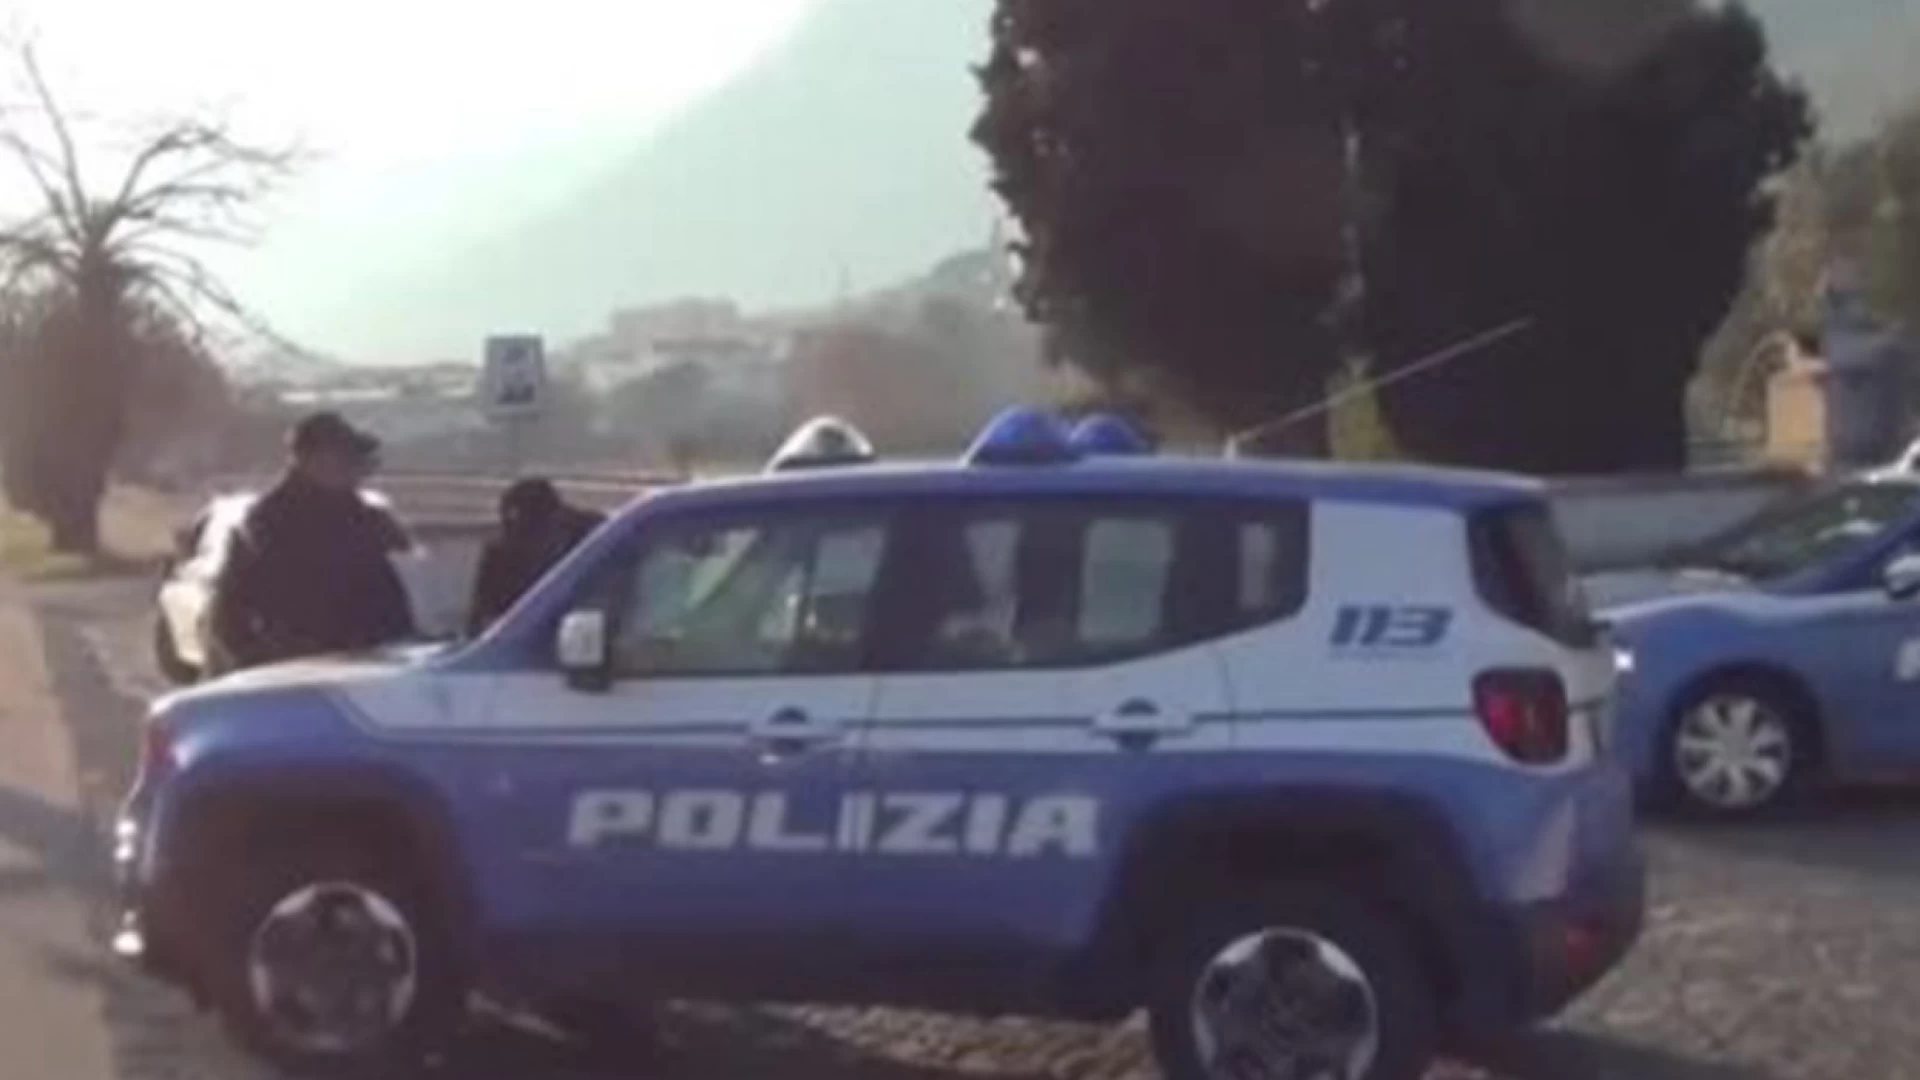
(37, 164)
(187, 180)
(69, 153)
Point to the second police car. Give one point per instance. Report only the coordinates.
(1782, 653)
(1306, 761)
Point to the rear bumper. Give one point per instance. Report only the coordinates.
(148, 930)
(1570, 943)
(1533, 960)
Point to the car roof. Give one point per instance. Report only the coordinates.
(1398, 485)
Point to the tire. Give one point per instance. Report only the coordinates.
(166, 656)
(1762, 737)
(256, 917)
(1246, 935)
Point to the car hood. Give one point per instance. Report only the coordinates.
(328, 670)
(1617, 588)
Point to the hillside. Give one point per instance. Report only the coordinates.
(841, 156)
(841, 161)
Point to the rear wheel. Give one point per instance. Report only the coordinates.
(1293, 982)
(328, 961)
(1737, 748)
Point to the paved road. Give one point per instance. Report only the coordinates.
(1791, 951)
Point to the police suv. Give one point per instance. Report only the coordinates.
(1307, 761)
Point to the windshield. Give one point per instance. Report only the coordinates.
(1807, 532)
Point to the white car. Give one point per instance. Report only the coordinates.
(180, 632)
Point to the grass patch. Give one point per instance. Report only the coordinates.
(132, 549)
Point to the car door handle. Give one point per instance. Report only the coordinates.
(791, 731)
(1138, 723)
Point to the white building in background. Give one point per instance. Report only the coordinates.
(399, 405)
(739, 353)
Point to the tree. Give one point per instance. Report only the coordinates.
(1785, 276)
(1615, 210)
(1205, 185)
(182, 392)
(103, 257)
(1174, 173)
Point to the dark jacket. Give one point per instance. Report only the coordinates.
(512, 561)
(309, 571)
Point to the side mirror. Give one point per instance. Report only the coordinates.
(580, 648)
(1901, 578)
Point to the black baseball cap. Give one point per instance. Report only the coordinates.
(329, 430)
(530, 497)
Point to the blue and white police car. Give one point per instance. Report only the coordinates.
(1307, 761)
(1783, 651)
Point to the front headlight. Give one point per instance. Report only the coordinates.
(1623, 661)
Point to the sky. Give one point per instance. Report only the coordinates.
(402, 102)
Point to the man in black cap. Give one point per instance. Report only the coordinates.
(310, 570)
(537, 529)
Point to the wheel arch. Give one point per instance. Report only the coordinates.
(247, 816)
(1794, 689)
(1398, 848)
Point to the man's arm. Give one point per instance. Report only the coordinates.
(390, 605)
(489, 588)
(237, 600)
(393, 535)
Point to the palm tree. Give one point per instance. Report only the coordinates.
(101, 257)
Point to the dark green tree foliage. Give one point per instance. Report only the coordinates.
(1173, 174)
(1176, 167)
(1614, 209)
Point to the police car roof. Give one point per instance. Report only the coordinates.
(1403, 485)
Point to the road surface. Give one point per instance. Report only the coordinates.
(1788, 952)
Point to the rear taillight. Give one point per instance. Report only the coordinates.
(156, 749)
(1524, 712)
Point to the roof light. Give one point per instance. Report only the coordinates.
(1022, 435)
(821, 442)
(1105, 433)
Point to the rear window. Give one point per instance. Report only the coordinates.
(1521, 571)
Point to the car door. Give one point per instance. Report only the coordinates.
(1045, 685)
(693, 803)
(1860, 647)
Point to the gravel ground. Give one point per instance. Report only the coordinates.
(1775, 952)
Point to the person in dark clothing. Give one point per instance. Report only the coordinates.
(537, 529)
(309, 570)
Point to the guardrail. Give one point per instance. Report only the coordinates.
(1608, 521)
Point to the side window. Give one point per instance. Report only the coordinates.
(1124, 573)
(749, 598)
(1522, 572)
(973, 594)
(1042, 585)
(1271, 561)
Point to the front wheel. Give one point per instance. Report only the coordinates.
(329, 963)
(1292, 983)
(1737, 748)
